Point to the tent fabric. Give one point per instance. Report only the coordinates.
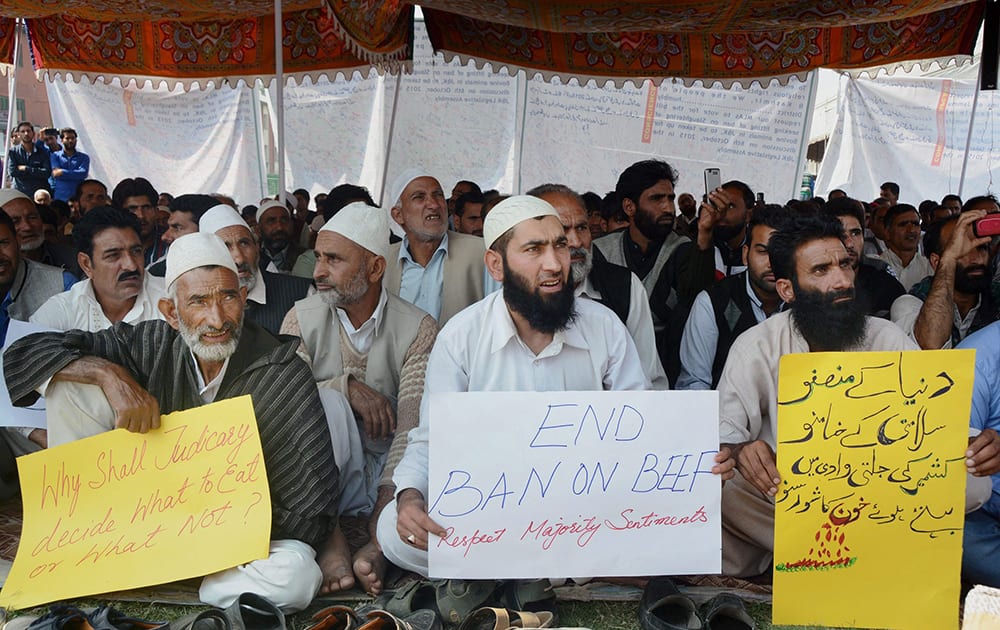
(196, 40)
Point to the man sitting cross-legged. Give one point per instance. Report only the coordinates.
(371, 346)
(203, 352)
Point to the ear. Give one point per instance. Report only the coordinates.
(86, 264)
(628, 207)
(376, 269)
(169, 310)
(934, 259)
(785, 290)
(397, 214)
(494, 264)
(746, 252)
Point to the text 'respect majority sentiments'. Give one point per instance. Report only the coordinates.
(538, 484)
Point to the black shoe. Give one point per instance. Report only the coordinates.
(663, 607)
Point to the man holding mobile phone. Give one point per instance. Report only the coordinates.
(958, 299)
(722, 227)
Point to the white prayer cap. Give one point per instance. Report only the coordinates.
(220, 217)
(267, 204)
(396, 191)
(512, 211)
(363, 224)
(10, 194)
(198, 249)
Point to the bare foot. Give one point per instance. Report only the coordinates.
(335, 563)
(369, 567)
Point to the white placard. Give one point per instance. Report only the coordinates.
(573, 484)
(11, 416)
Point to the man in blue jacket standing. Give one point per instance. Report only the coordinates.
(69, 166)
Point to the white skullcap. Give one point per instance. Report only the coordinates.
(220, 217)
(396, 191)
(363, 224)
(198, 249)
(267, 204)
(512, 211)
(10, 194)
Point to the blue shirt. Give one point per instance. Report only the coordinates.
(986, 393)
(422, 286)
(75, 168)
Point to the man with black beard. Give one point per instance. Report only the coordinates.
(531, 336)
(721, 231)
(814, 276)
(960, 298)
(371, 346)
(655, 253)
(595, 278)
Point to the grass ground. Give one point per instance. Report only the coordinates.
(599, 615)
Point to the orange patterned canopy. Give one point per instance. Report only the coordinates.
(710, 39)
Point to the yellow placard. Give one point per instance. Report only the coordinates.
(124, 510)
(870, 510)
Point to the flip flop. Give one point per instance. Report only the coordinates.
(457, 599)
(663, 607)
(727, 612)
(335, 618)
(504, 619)
(419, 620)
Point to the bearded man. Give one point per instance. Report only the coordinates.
(372, 347)
(814, 276)
(534, 335)
(203, 352)
(961, 297)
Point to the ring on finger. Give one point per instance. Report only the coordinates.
(411, 539)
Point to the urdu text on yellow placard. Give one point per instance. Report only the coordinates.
(870, 509)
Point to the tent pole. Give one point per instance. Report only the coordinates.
(388, 145)
(968, 137)
(11, 98)
(279, 77)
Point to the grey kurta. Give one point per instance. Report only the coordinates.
(298, 454)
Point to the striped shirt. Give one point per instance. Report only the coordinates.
(298, 454)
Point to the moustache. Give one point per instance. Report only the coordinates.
(128, 275)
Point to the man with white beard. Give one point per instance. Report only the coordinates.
(371, 346)
(269, 295)
(31, 233)
(202, 353)
(612, 285)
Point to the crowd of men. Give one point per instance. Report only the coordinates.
(337, 321)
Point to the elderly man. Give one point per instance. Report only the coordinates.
(595, 278)
(814, 275)
(203, 352)
(279, 248)
(269, 295)
(31, 233)
(440, 272)
(24, 284)
(371, 346)
(533, 336)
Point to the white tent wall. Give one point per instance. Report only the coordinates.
(912, 131)
(181, 142)
(452, 120)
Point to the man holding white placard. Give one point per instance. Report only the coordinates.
(532, 336)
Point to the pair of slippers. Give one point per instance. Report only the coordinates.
(456, 600)
(248, 612)
(346, 618)
(64, 617)
(664, 607)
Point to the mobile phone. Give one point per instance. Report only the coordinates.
(713, 179)
(987, 226)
